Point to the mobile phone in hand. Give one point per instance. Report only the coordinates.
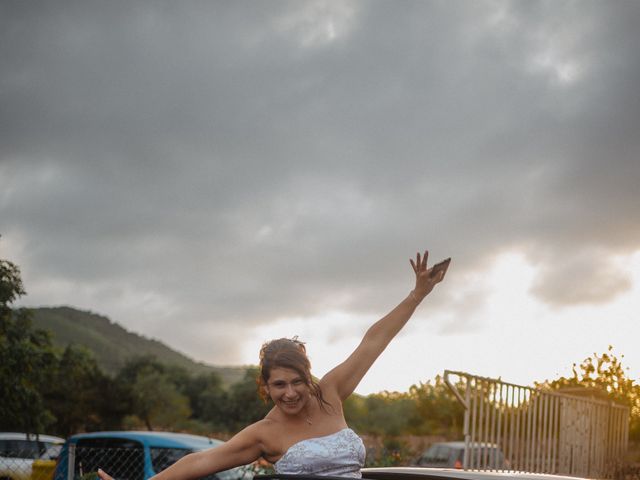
(438, 267)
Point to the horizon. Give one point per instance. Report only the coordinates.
(610, 350)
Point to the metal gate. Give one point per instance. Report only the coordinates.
(517, 428)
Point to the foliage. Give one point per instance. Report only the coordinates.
(25, 355)
(426, 409)
(209, 406)
(437, 411)
(244, 405)
(10, 286)
(605, 373)
(394, 452)
(380, 413)
(157, 401)
(208, 400)
(80, 396)
(42, 389)
(154, 395)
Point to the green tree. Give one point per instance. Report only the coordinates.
(437, 411)
(245, 405)
(384, 413)
(154, 394)
(11, 287)
(426, 409)
(355, 411)
(26, 359)
(157, 401)
(208, 400)
(81, 396)
(606, 374)
(128, 373)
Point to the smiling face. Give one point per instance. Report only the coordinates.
(288, 390)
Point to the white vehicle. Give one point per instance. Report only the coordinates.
(451, 455)
(19, 450)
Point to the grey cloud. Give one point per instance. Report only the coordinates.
(582, 277)
(203, 153)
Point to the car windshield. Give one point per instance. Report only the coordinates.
(436, 454)
(162, 458)
(27, 449)
(122, 458)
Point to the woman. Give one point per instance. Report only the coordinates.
(305, 431)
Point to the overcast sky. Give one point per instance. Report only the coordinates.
(217, 174)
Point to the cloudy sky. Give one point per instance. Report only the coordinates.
(216, 174)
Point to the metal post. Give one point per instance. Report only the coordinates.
(71, 461)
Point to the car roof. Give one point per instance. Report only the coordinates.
(413, 473)
(30, 436)
(154, 439)
(451, 444)
(460, 444)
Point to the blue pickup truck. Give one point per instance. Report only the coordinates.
(132, 455)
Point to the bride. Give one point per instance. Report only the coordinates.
(306, 432)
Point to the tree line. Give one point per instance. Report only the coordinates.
(64, 391)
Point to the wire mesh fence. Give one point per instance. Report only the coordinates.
(121, 463)
(125, 462)
(129, 461)
(27, 457)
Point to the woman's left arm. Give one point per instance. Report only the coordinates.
(344, 378)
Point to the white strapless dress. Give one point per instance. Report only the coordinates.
(341, 454)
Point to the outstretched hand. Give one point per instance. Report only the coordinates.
(427, 278)
(103, 475)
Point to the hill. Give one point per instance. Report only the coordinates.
(113, 345)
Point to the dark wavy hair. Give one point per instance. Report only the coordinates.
(287, 353)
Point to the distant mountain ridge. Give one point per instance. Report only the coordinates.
(113, 345)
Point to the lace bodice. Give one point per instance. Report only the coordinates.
(341, 454)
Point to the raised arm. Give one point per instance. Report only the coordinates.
(345, 377)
